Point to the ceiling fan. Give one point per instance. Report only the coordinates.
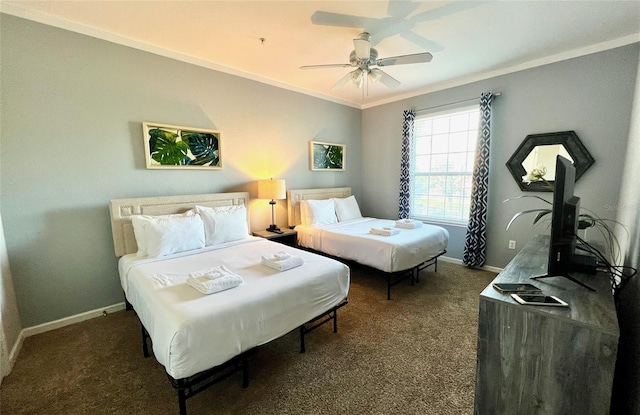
(365, 60)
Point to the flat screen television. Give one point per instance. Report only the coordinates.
(565, 213)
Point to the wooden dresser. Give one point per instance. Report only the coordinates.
(546, 360)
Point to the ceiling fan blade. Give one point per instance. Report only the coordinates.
(388, 80)
(363, 48)
(330, 65)
(341, 20)
(342, 82)
(405, 59)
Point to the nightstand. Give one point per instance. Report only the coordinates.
(287, 237)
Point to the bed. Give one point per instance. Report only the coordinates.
(347, 235)
(198, 338)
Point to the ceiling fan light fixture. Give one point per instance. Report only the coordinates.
(374, 75)
(357, 76)
(362, 58)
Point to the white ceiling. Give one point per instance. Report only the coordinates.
(469, 40)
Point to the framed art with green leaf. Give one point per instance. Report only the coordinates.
(174, 147)
(327, 156)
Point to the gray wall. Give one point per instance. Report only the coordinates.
(71, 140)
(591, 95)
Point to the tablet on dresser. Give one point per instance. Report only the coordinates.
(522, 288)
(536, 299)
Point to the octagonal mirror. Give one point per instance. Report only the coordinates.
(540, 150)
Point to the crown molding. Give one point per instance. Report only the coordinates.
(44, 18)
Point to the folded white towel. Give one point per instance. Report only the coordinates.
(282, 261)
(383, 231)
(408, 224)
(277, 256)
(214, 280)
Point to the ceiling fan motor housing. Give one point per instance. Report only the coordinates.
(363, 63)
(364, 57)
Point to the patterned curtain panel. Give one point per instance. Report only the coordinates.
(405, 164)
(475, 245)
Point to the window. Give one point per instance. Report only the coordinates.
(442, 164)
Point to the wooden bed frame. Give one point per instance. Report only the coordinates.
(124, 242)
(294, 197)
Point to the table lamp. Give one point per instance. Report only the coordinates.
(272, 189)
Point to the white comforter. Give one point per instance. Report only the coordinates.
(192, 332)
(351, 240)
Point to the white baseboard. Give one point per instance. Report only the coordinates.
(52, 325)
(13, 355)
(459, 262)
(98, 312)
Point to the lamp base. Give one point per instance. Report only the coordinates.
(273, 228)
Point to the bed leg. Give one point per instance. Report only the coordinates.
(388, 286)
(335, 320)
(182, 402)
(245, 372)
(302, 350)
(145, 348)
(127, 305)
(418, 274)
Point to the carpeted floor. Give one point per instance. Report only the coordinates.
(414, 354)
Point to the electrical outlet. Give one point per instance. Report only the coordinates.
(512, 244)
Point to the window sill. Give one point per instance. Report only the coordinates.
(441, 222)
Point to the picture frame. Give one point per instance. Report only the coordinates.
(176, 147)
(325, 156)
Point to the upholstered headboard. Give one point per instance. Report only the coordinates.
(295, 196)
(121, 210)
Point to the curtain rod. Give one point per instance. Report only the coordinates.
(495, 94)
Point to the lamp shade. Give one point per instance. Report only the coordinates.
(272, 189)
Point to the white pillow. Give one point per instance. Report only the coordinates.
(170, 235)
(347, 208)
(224, 224)
(140, 221)
(317, 212)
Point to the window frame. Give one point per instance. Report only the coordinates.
(449, 111)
